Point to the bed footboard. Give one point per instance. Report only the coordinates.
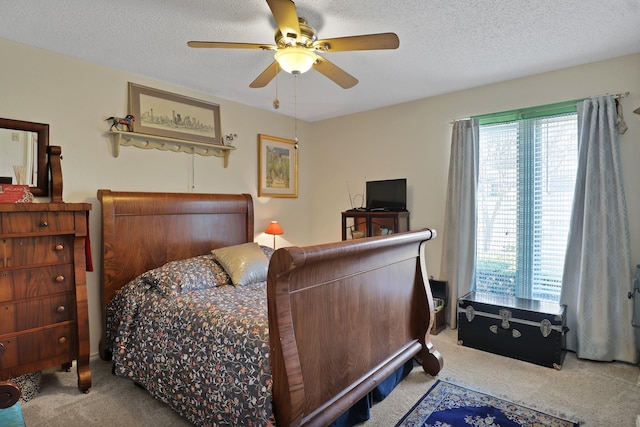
(343, 317)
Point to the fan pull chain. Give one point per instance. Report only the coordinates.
(295, 109)
(276, 101)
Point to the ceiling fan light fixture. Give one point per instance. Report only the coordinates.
(295, 60)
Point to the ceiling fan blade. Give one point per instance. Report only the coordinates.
(364, 42)
(225, 45)
(266, 76)
(334, 73)
(284, 12)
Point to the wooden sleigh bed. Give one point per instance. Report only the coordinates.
(342, 317)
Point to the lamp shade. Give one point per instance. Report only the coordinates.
(273, 228)
(295, 60)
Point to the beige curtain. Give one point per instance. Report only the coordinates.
(598, 268)
(459, 236)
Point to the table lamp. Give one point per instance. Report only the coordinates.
(273, 228)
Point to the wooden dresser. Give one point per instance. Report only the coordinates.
(43, 290)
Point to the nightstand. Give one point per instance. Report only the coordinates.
(439, 292)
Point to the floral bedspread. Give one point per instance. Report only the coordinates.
(196, 342)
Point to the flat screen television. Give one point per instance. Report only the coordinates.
(388, 194)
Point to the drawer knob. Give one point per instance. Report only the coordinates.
(44, 223)
(60, 278)
(61, 309)
(1, 349)
(59, 247)
(62, 340)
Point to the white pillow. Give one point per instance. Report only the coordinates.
(245, 263)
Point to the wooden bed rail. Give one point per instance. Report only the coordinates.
(360, 309)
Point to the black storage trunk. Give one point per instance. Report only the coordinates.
(529, 330)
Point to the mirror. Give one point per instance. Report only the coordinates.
(23, 155)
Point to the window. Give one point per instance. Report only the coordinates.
(527, 169)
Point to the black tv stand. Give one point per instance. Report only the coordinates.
(367, 223)
(387, 210)
(376, 210)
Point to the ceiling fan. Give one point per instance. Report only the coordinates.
(297, 44)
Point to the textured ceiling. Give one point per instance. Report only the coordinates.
(445, 45)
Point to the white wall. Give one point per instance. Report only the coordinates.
(413, 140)
(408, 140)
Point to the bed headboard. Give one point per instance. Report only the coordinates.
(163, 227)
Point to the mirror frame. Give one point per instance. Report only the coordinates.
(42, 129)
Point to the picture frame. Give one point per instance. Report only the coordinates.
(167, 114)
(277, 167)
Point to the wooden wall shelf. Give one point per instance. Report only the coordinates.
(142, 140)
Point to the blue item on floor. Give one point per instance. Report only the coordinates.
(12, 416)
(10, 412)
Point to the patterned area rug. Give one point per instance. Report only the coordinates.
(451, 405)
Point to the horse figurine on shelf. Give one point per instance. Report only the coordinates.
(118, 122)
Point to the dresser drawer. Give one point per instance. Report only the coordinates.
(41, 345)
(23, 251)
(35, 313)
(37, 222)
(35, 282)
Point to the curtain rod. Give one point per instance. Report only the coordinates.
(615, 96)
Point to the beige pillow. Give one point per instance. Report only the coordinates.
(245, 263)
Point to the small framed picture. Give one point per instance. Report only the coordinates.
(161, 113)
(277, 167)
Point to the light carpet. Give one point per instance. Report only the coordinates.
(447, 404)
(596, 394)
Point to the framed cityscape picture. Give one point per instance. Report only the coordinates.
(161, 113)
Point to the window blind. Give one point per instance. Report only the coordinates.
(526, 182)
